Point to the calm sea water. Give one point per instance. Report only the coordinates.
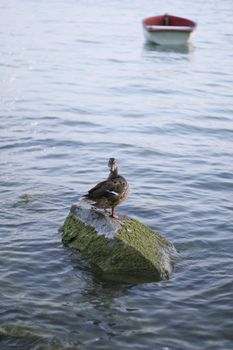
(79, 85)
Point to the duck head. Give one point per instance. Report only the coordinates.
(112, 164)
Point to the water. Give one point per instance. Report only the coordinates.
(79, 85)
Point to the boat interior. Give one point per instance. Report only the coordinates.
(168, 20)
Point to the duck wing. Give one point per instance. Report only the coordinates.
(111, 188)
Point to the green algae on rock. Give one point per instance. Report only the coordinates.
(120, 249)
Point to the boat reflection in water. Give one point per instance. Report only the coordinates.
(181, 49)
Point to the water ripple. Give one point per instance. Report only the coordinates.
(74, 95)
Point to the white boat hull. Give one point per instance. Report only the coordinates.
(167, 37)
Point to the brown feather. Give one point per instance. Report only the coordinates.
(111, 192)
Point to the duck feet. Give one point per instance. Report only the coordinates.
(113, 215)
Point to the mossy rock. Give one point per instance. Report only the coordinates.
(120, 249)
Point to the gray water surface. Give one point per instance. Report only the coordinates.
(80, 85)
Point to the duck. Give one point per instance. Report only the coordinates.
(111, 192)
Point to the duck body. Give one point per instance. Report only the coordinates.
(111, 192)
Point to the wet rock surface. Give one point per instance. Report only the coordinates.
(121, 249)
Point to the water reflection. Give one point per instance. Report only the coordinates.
(103, 293)
(183, 49)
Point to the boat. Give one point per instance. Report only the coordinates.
(168, 30)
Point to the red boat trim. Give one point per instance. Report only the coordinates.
(168, 23)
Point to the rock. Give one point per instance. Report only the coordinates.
(120, 249)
